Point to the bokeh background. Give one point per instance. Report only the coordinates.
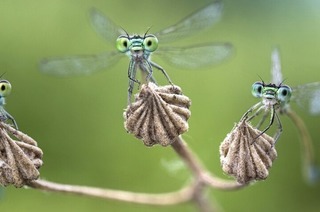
(78, 121)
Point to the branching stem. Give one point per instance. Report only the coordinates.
(194, 191)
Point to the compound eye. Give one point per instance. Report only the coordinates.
(123, 43)
(5, 88)
(150, 43)
(257, 88)
(284, 93)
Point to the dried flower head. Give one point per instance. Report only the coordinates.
(19, 159)
(247, 154)
(158, 115)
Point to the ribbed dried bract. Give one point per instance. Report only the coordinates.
(19, 159)
(247, 154)
(158, 115)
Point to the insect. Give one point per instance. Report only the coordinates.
(5, 89)
(139, 48)
(276, 98)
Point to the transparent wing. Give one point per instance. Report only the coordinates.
(313, 174)
(104, 26)
(191, 57)
(78, 65)
(191, 24)
(276, 75)
(308, 97)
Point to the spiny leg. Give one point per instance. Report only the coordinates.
(254, 107)
(147, 68)
(273, 114)
(162, 70)
(279, 130)
(152, 79)
(12, 119)
(150, 75)
(265, 114)
(132, 71)
(256, 113)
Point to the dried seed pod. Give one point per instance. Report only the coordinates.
(158, 115)
(247, 154)
(19, 159)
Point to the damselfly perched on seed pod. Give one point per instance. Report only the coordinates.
(140, 47)
(275, 98)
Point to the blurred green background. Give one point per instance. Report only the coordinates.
(78, 121)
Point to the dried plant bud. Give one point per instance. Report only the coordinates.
(246, 155)
(19, 159)
(158, 115)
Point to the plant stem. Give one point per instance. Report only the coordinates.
(202, 177)
(193, 191)
(198, 169)
(171, 198)
(306, 144)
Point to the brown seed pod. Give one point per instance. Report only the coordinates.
(19, 159)
(158, 115)
(247, 154)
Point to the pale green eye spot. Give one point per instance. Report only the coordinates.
(123, 43)
(257, 88)
(284, 93)
(5, 88)
(150, 43)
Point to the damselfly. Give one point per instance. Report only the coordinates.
(5, 89)
(140, 47)
(275, 99)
